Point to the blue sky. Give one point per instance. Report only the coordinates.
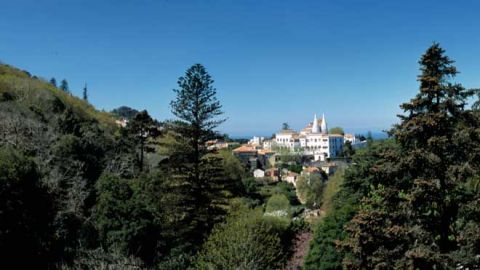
(272, 61)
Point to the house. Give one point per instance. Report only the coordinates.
(266, 157)
(291, 177)
(256, 141)
(273, 174)
(217, 144)
(121, 122)
(258, 173)
(314, 139)
(248, 155)
(268, 144)
(310, 170)
(329, 168)
(350, 138)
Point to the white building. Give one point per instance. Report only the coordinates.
(258, 173)
(122, 122)
(313, 140)
(256, 141)
(291, 177)
(268, 144)
(350, 138)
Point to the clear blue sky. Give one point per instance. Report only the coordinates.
(272, 61)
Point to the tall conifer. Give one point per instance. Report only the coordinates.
(197, 173)
(411, 218)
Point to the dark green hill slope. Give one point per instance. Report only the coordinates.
(70, 144)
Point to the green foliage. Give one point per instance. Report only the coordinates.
(245, 241)
(64, 86)
(340, 199)
(336, 130)
(278, 205)
(347, 150)
(199, 175)
(124, 220)
(324, 252)
(99, 259)
(125, 112)
(414, 215)
(310, 189)
(233, 168)
(250, 185)
(278, 213)
(53, 82)
(26, 213)
(142, 130)
(288, 190)
(332, 187)
(85, 93)
(297, 168)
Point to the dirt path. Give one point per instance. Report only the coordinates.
(300, 250)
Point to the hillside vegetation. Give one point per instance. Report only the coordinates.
(79, 192)
(412, 201)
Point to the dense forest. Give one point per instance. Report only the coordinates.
(79, 191)
(412, 201)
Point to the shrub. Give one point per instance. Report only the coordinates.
(244, 242)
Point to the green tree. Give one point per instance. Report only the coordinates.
(126, 218)
(143, 129)
(310, 188)
(85, 93)
(279, 203)
(53, 82)
(26, 213)
(297, 168)
(244, 242)
(64, 86)
(325, 251)
(125, 112)
(197, 173)
(348, 151)
(337, 130)
(285, 126)
(414, 216)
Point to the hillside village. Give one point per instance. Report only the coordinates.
(312, 150)
(89, 189)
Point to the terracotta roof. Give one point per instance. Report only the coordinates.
(265, 151)
(287, 131)
(311, 169)
(309, 125)
(245, 149)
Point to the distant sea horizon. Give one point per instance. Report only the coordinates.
(377, 135)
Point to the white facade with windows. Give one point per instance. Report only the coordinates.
(313, 139)
(256, 140)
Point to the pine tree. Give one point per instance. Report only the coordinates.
(85, 94)
(142, 128)
(198, 174)
(413, 216)
(64, 86)
(53, 82)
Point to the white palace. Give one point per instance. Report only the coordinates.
(314, 140)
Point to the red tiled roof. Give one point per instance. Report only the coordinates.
(245, 149)
(311, 169)
(265, 151)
